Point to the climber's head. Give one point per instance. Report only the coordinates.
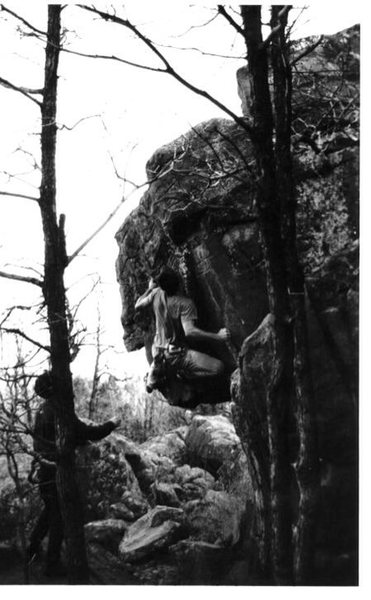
(169, 281)
(44, 385)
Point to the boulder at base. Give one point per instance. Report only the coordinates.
(158, 529)
(211, 440)
(107, 532)
(215, 519)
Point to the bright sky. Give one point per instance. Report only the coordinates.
(127, 114)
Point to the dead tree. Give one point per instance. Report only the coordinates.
(55, 262)
(60, 350)
(52, 285)
(307, 461)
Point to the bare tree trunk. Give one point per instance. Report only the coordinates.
(55, 298)
(307, 462)
(21, 525)
(280, 386)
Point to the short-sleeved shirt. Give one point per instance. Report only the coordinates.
(169, 312)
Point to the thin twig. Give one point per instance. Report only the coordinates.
(307, 51)
(112, 57)
(13, 195)
(95, 233)
(5, 9)
(26, 337)
(24, 278)
(72, 127)
(231, 21)
(24, 91)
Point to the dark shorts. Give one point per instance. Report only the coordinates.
(192, 364)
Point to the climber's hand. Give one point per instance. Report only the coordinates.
(152, 284)
(224, 334)
(116, 421)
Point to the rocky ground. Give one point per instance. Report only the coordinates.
(173, 510)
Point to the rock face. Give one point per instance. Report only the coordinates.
(199, 216)
(199, 213)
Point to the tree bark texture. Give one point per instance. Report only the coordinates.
(307, 461)
(279, 389)
(290, 393)
(55, 298)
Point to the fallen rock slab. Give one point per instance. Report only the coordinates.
(107, 532)
(156, 530)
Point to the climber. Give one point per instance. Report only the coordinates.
(45, 464)
(175, 317)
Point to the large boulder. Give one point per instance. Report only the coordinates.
(171, 445)
(216, 519)
(193, 482)
(151, 461)
(199, 217)
(166, 493)
(107, 478)
(156, 530)
(107, 532)
(211, 440)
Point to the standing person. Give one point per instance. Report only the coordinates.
(176, 317)
(50, 520)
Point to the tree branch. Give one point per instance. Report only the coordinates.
(16, 16)
(10, 310)
(112, 57)
(286, 9)
(231, 21)
(307, 51)
(72, 127)
(26, 337)
(24, 91)
(13, 195)
(23, 278)
(95, 233)
(168, 68)
(203, 52)
(115, 210)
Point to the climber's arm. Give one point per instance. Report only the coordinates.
(85, 432)
(194, 333)
(146, 298)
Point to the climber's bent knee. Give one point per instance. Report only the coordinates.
(197, 364)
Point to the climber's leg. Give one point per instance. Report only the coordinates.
(195, 365)
(156, 374)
